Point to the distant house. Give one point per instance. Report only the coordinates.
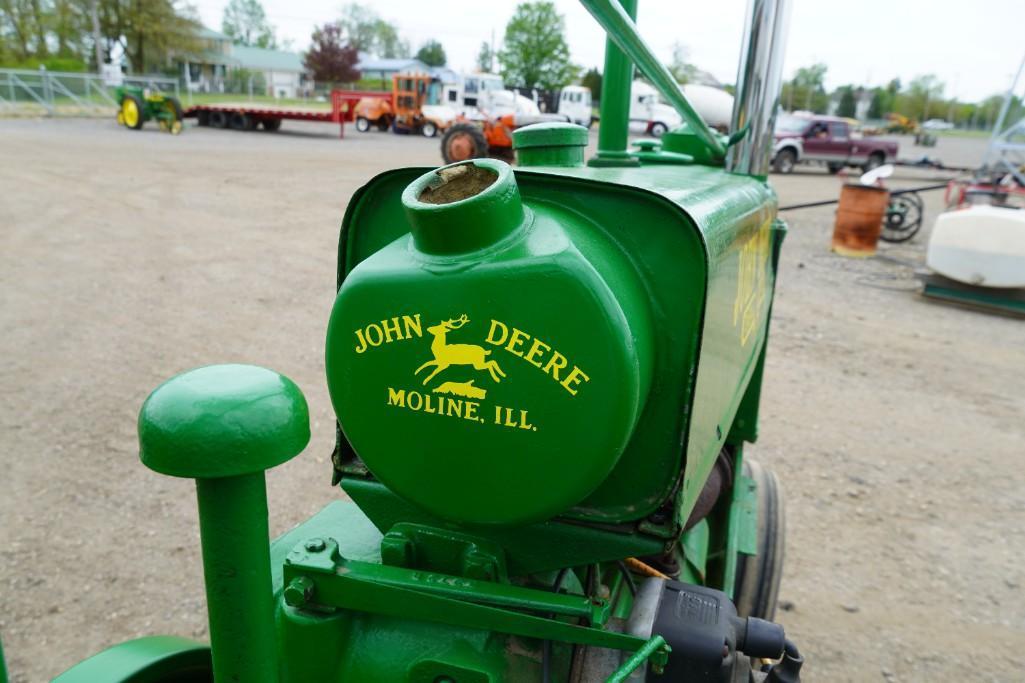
(382, 69)
(216, 68)
(283, 72)
(206, 69)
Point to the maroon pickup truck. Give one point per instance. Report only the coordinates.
(827, 140)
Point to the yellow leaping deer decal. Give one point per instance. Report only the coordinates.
(446, 354)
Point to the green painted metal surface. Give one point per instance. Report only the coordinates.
(617, 79)
(473, 348)
(221, 421)
(619, 26)
(153, 659)
(224, 425)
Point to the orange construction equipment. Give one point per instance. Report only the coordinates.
(408, 110)
(492, 137)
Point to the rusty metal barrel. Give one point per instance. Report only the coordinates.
(859, 219)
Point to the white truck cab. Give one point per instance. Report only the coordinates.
(575, 103)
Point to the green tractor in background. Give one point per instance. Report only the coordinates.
(135, 106)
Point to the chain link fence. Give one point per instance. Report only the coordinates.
(24, 92)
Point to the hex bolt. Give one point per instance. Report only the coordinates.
(299, 591)
(315, 545)
(224, 425)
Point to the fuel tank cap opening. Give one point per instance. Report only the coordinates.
(458, 182)
(464, 207)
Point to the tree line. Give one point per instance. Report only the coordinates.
(919, 100)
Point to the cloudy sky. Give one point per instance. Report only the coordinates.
(973, 47)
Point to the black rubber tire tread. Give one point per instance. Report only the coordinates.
(271, 125)
(875, 160)
(142, 111)
(218, 119)
(777, 164)
(239, 121)
(756, 588)
(480, 143)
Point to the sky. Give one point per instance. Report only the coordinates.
(974, 48)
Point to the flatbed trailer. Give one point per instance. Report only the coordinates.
(251, 115)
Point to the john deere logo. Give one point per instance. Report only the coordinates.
(464, 398)
(446, 355)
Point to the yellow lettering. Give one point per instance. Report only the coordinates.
(428, 404)
(397, 398)
(412, 325)
(419, 400)
(517, 339)
(523, 421)
(374, 330)
(453, 405)
(556, 363)
(491, 333)
(536, 352)
(471, 411)
(573, 379)
(361, 342)
(390, 329)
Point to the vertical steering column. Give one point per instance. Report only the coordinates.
(224, 425)
(616, 83)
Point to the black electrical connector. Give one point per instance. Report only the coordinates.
(711, 643)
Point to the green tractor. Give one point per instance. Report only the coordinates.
(546, 381)
(136, 105)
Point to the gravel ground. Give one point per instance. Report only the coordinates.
(895, 424)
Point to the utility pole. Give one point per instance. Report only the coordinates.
(97, 44)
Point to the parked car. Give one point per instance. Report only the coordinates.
(826, 140)
(937, 124)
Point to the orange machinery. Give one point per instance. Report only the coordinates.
(406, 111)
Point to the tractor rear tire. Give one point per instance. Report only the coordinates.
(271, 125)
(128, 102)
(463, 141)
(757, 581)
(218, 119)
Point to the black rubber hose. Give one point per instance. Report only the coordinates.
(789, 668)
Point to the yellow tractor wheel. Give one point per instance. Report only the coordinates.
(120, 118)
(131, 112)
(176, 127)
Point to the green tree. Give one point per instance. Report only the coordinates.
(432, 54)
(848, 105)
(682, 70)
(368, 32)
(923, 95)
(592, 81)
(878, 108)
(148, 30)
(485, 58)
(245, 22)
(535, 53)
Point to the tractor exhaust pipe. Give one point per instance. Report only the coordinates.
(759, 79)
